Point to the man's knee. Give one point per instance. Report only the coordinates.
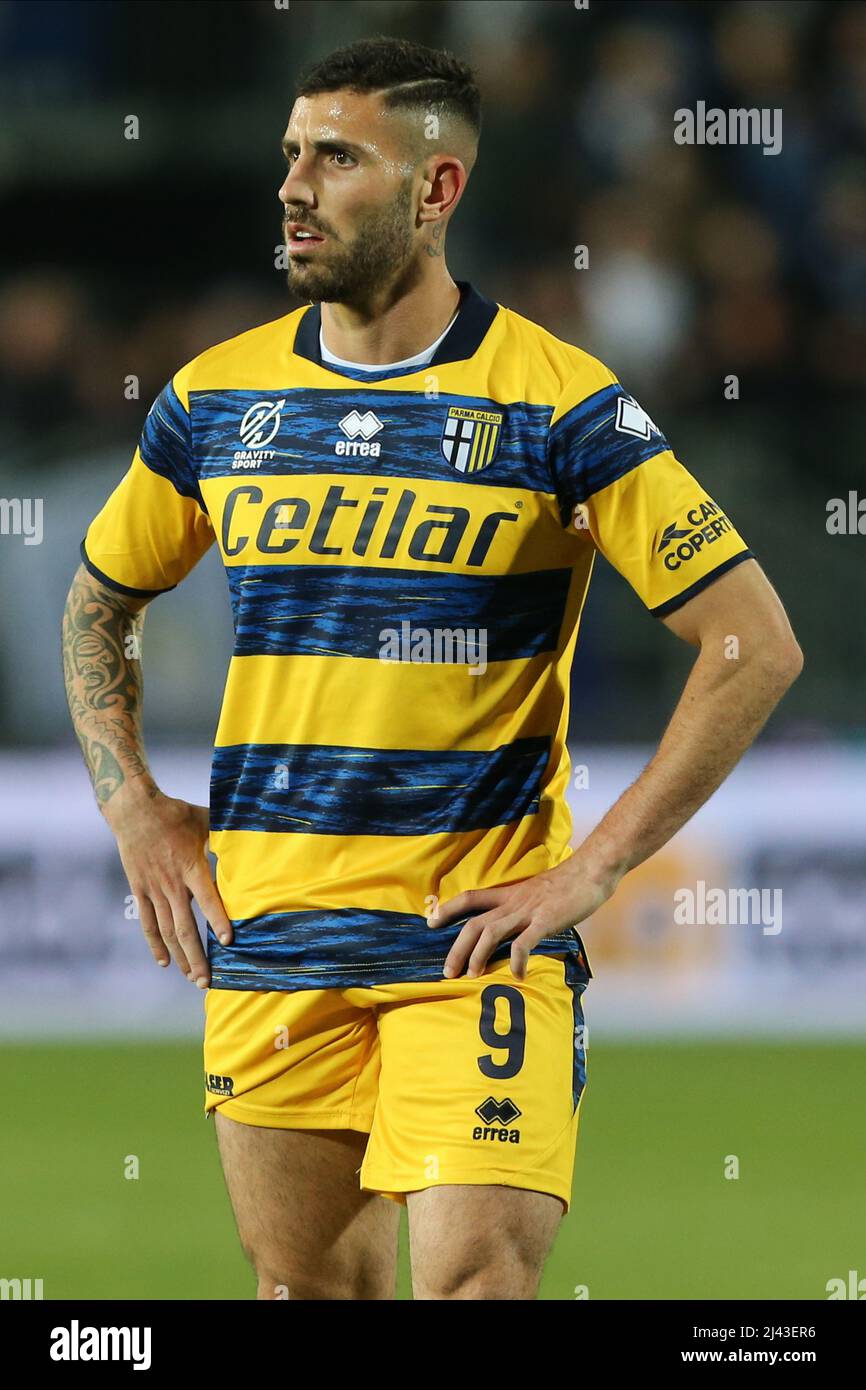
(285, 1273)
(289, 1281)
(501, 1279)
(497, 1269)
(480, 1242)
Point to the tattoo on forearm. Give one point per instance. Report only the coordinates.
(103, 685)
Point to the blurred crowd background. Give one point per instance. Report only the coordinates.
(124, 259)
(128, 257)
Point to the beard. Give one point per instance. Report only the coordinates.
(355, 272)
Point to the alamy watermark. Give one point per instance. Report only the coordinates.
(450, 646)
(846, 517)
(22, 516)
(20, 1289)
(738, 126)
(853, 1287)
(729, 907)
(77, 1343)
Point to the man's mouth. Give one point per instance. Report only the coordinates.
(301, 238)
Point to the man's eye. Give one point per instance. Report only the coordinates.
(339, 155)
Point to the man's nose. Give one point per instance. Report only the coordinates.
(295, 188)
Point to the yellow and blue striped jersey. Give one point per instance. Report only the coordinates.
(407, 553)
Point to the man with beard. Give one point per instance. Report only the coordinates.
(395, 979)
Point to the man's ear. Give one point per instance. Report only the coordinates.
(446, 177)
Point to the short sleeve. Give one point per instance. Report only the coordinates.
(154, 527)
(617, 479)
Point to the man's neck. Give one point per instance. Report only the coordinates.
(399, 323)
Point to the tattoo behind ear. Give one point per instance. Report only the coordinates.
(434, 248)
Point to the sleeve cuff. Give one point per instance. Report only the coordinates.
(673, 604)
(115, 585)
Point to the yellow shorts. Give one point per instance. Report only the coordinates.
(455, 1081)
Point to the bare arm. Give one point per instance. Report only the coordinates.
(732, 690)
(161, 840)
(101, 646)
(730, 693)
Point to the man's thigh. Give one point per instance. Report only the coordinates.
(480, 1242)
(305, 1225)
(291, 1083)
(480, 1084)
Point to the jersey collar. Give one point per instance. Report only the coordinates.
(463, 339)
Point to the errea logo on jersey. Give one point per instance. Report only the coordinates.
(359, 431)
(258, 427)
(631, 418)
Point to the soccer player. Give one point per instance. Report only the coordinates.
(408, 483)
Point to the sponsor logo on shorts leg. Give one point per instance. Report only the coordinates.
(219, 1085)
(498, 1117)
(686, 537)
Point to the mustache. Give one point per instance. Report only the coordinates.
(290, 217)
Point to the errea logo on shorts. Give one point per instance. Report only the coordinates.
(703, 524)
(497, 1116)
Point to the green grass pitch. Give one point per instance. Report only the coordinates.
(652, 1215)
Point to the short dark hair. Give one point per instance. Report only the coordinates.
(409, 75)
